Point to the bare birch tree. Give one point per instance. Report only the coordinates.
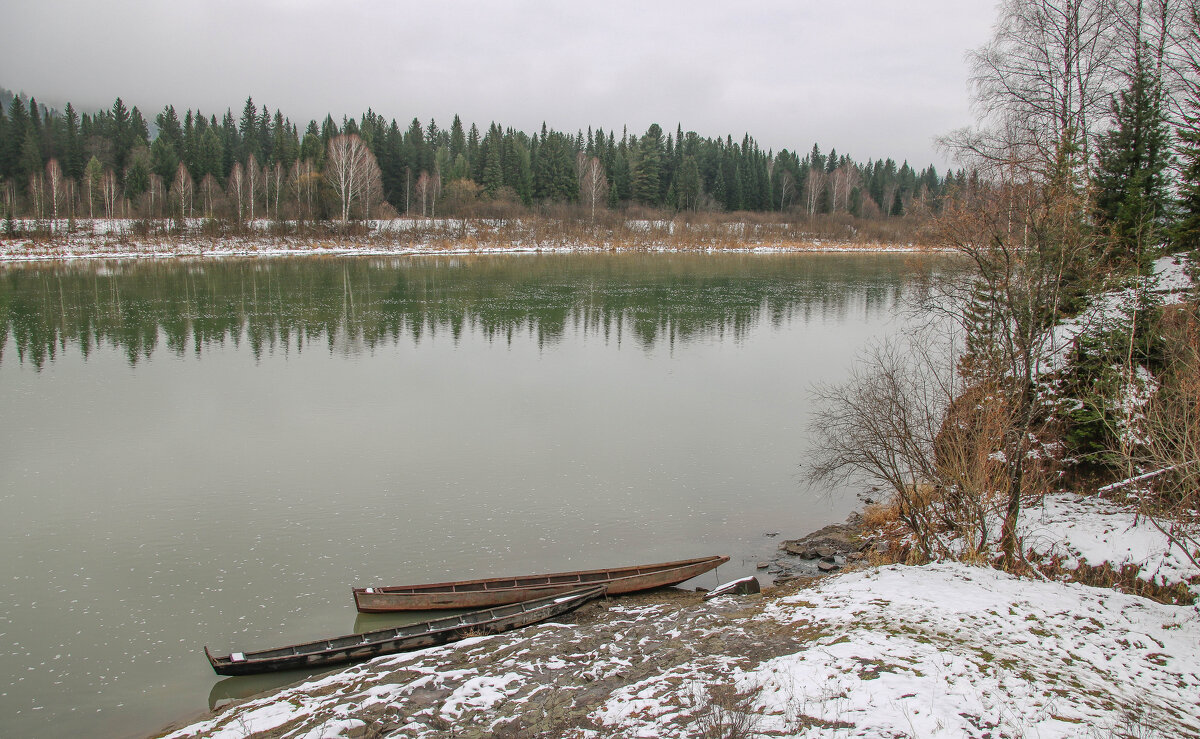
(845, 179)
(236, 186)
(1042, 86)
(156, 194)
(277, 176)
(813, 185)
(349, 167)
(373, 190)
(593, 185)
(183, 189)
(787, 188)
(209, 190)
(422, 189)
(109, 193)
(37, 194)
(57, 189)
(304, 187)
(254, 183)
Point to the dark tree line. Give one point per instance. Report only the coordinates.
(108, 163)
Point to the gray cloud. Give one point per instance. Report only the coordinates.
(871, 78)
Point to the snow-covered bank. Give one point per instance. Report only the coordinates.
(119, 239)
(1092, 531)
(13, 251)
(942, 650)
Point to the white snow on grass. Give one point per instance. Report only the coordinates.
(1091, 530)
(1167, 284)
(1171, 278)
(950, 650)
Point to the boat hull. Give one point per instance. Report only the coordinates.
(493, 592)
(355, 647)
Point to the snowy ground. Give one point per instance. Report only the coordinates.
(945, 650)
(1090, 530)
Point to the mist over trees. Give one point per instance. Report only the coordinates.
(260, 164)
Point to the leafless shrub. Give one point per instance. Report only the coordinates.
(720, 712)
(1169, 457)
(883, 424)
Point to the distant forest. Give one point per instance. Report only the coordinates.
(260, 164)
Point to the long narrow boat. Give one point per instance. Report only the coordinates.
(502, 590)
(317, 654)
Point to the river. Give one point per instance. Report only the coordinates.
(211, 452)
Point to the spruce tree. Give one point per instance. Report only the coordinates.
(248, 129)
(1131, 194)
(458, 140)
(18, 122)
(163, 159)
(137, 178)
(648, 173)
(31, 158)
(310, 146)
(72, 144)
(3, 142)
(210, 156)
(1186, 233)
(473, 153)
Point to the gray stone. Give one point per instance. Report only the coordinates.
(824, 566)
(744, 586)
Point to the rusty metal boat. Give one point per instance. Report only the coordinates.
(503, 590)
(323, 652)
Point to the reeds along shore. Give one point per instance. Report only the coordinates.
(554, 228)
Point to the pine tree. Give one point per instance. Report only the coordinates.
(473, 153)
(687, 184)
(72, 144)
(163, 160)
(210, 156)
(491, 155)
(311, 149)
(18, 122)
(3, 141)
(89, 190)
(648, 172)
(248, 130)
(1186, 233)
(554, 169)
(1131, 194)
(31, 158)
(137, 178)
(458, 140)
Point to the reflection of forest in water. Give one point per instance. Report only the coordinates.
(351, 304)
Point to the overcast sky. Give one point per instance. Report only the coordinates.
(870, 77)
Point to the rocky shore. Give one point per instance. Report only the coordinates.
(822, 552)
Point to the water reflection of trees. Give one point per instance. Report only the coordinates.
(352, 305)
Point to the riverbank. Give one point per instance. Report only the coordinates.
(946, 649)
(118, 239)
(941, 650)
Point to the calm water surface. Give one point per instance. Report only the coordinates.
(212, 452)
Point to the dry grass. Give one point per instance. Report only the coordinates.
(1123, 578)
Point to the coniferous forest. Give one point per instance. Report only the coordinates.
(259, 164)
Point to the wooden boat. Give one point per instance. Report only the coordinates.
(501, 590)
(317, 654)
